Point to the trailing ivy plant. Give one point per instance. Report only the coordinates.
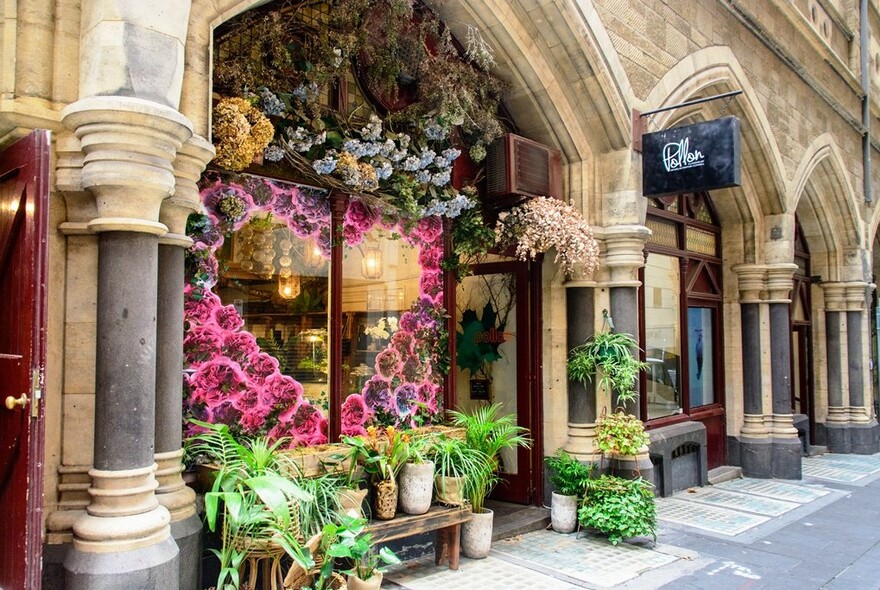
(619, 508)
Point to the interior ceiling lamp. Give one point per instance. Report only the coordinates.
(289, 284)
(371, 263)
(312, 257)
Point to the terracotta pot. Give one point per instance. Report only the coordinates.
(448, 490)
(563, 513)
(374, 583)
(416, 487)
(385, 500)
(476, 535)
(351, 502)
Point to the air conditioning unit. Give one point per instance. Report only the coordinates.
(519, 166)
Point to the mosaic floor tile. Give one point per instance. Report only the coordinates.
(739, 501)
(587, 559)
(708, 518)
(474, 574)
(774, 489)
(843, 468)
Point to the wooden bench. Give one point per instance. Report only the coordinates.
(446, 521)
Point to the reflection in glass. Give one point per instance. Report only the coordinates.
(486, 347)
(701, 356)
(662, 335)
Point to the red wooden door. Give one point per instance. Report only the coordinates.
(24, 193)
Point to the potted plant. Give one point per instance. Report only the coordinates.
(619, 507)
(416, 480)
(381, 454)
(349, 540)
(488, 433)
(612, 352)
(455, 463)
(256, 505)
(569, 476)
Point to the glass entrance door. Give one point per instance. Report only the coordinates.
(493, 364)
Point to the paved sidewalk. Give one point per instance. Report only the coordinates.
(746, 534)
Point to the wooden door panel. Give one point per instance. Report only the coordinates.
(24, 174)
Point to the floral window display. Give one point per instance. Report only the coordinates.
(257, 355)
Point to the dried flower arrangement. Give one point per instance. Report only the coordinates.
(241, 133)
(543, 223)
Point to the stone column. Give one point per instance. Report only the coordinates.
(787, 448)
(863, 428)
(172, 491)
(624, 256)
(123, 539)
(580, 316)
(838, 414)
(753, 448)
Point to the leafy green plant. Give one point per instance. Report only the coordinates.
(349, 540)
(621, 433)
(489, 433)
(252, 503)
(568, 475)
(454, 458)
(618, 507)
(324, 508)
(381, 453)
(612, 352)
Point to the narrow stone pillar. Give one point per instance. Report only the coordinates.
(624, 256)
(752, 449)
(836, 433)
(123, 539)
(580, 316)
(172, 492)
(787, 448)
(863, 428)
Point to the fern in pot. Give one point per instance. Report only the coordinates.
(569, 478)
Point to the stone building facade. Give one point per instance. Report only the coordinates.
(125, 88)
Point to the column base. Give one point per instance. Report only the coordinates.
(187, 533)
(861, 439)
(767, 458)
(151, 568)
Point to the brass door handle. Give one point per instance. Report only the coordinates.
(12, 403)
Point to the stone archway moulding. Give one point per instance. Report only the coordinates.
(579, 126)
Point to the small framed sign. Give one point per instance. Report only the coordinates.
(691, 158)
(481, 389)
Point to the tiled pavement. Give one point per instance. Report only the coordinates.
(821, 532)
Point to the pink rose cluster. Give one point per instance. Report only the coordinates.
(233, 382)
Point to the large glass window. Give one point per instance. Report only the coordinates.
(681, 302)
(662, 335)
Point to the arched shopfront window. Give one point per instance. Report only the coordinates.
(681, 309)
(318, 314)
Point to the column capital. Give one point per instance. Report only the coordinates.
(779, 281)
(752, 279)
(193, 156)
(856, 295)
(624, 252)
(838, 296)
(129, 145)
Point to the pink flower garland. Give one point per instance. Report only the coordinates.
(234, 382)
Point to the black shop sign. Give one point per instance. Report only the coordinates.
(692, 158)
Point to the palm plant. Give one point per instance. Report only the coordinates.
(453, 458)
(489, 433)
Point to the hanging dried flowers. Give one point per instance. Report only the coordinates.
(240, 132)
(543, 223)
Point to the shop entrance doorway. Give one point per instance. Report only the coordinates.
(497, 361)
